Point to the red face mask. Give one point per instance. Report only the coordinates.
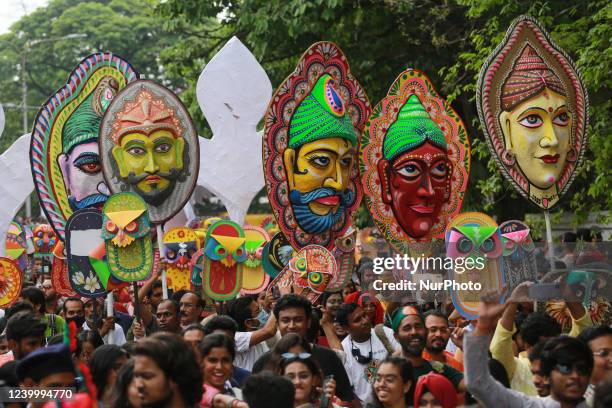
(416, 184)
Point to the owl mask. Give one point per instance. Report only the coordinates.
(518, 251)
(225, 254)
(254, 278)
(474, 236)
(126, 232)
(308, 273)
(16, 245)
(179, 246)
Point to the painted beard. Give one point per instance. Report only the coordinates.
(155, 197)
(314, 223)
(96, 200)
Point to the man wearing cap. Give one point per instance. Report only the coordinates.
(319, 158)
(150, 150)
(409, 327)
(79, 161)
(415, 171)
(49, 367)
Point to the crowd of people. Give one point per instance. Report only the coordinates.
(347, 350)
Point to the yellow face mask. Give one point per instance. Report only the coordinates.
(322, 163)
(152, 157)
(537, 133)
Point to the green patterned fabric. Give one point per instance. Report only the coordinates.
(320, 115)
(83, 125)
(412, 128)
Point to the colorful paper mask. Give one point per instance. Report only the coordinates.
(11, 280)
(83, 240)
(64, 149)
(44, 240)
(599, 311)
(59, 272)
(126, 231)
(533, 107)
(308, 273)
(344, 254)
(519, 253)
(180, 244)
(197, 263)
(16, 245)
(474, 236)
(233, 92)
(276, 254)
(415, 162)
(254, 278)
(312, 130)
(225, 256)
(149, 146)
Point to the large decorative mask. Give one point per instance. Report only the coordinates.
(312, 130)
(44, 240)
(415, 162)
(11, 280)
(16, 245)
(276, 254)
(223, 265)
(254, 278)
(180, 244)
(344, 254)
(83, 240)
(475, 237)
(534, 110)
(126, 230)
(519, 253)
(64, 149)
(149, 146)
(308, 273)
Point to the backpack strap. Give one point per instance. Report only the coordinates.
(52, 324)
(379, 330)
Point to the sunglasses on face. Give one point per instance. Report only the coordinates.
(289, 357)
(605, 353)
(567, 369)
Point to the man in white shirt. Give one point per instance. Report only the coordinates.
(365, 348)
(111, 332)
(250, 339)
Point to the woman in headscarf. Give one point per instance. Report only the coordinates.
(434, 391)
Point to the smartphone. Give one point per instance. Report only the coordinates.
(275, 292)
(545, 291)
(324, 398)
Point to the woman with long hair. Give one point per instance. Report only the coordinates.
(124, 392)
(392, 384)
(104, 365)
(310, 389)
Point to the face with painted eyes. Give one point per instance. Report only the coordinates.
(82, 174)
(416, 184)
(537, 133)
(318, 174)
(151, 163)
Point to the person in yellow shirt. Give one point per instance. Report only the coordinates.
(535, 328)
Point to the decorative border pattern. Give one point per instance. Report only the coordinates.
(491, 78)
(321, 57)
(411, 82)
(46, 142)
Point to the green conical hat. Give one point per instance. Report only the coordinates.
(321, 115)
(83, 125)
(412, 128)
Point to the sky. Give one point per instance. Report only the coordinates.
(13, 10)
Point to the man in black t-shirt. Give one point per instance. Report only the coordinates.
(293, 313)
